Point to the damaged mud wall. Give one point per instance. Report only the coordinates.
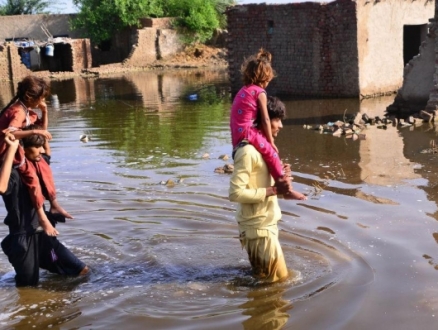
(345, 48)
(390, 34)
(432, 103)
(72, 56)
(419, 90)
(314, 46)
(156, 40)
(140, 47)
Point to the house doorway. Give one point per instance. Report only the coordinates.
(413, 36)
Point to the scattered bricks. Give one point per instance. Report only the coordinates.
(338, 132)
(338, 124)
(348, 131)
(358, 127)
(358, 118)
(365, 118)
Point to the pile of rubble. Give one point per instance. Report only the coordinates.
(354, 127)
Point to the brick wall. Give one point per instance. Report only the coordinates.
(81, 54)
(168, 43)
(18, 69)
(314, 46)
(432, 103)
(73, 56)
(158, 23)
(345, 48)
(150, 44)
(4, 62)
(143, 51)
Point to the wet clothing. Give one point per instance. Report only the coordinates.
(15, 118)
(243, 114)
(27, 246)
(265, 253)
(257, 215)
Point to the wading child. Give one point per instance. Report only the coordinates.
(251, 99)
(18, 114)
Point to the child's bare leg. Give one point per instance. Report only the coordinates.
(56, 208)
(45, 223)
(294, 195)
(84, 271)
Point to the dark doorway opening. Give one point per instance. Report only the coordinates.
(62, 59)
(413, 36)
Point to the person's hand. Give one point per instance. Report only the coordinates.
(283, 185)
(11, 140)
(43, 106)
(44, 133)
(295, 195)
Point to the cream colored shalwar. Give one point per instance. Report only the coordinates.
(257, 215)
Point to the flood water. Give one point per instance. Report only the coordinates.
(166, 256)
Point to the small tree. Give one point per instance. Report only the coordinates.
(101, 19)
(24, 7)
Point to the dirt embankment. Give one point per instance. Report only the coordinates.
(191, 57)
(196, 56)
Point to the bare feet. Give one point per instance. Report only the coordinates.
(56, 208)
(48, 228)
(84, 271)
(295, 195)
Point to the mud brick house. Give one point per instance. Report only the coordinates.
(43, 44)
(420, 83)
(342, 48)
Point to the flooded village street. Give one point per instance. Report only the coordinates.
(165, 254)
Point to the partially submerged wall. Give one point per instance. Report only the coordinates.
(417, 80)
(314, 46)
(419, 90)
(140, 47)
(432, 104)
(155, 41)
(347, 48)
(71, 56)
(381, 25)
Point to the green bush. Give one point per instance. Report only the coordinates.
(197, 19)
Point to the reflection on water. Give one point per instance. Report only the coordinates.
(168, 256)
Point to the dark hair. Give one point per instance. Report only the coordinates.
(34, 140)
(29, 90)
(257, 68)
(276, 109)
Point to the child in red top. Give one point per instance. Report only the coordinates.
(257, 73)
(18, 114)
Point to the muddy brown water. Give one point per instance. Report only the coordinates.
(167, 257)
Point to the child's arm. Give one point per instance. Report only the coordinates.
(5, 170)
(47, 149)
(262, 102)
(19, 134)
(44, 120)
